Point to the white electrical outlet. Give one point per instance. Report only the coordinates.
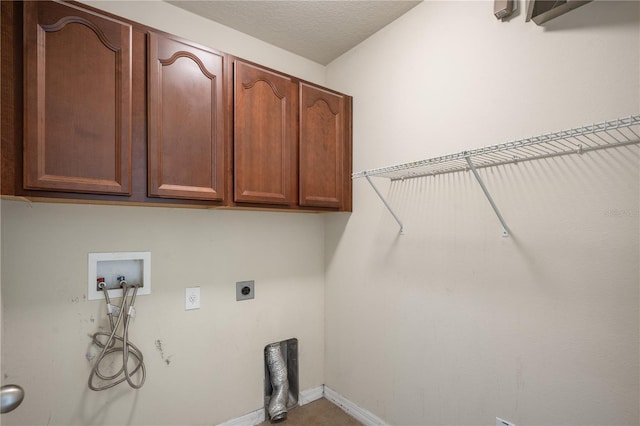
(192, 298)
(500, 422)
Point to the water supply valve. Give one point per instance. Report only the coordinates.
(114, 271)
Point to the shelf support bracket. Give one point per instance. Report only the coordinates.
(505, 229)
(375, 188)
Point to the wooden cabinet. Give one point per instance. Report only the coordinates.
(292, 141)
(77, 100)
(96, 108)
(265, 148)
(325, 154)
(185, 121)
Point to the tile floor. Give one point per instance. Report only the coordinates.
(317, 413)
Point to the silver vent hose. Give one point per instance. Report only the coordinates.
(279, 381)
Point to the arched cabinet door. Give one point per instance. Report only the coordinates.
(265, 140)
(77, 79)
(185, 120)
(325, 163)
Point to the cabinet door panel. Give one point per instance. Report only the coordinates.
(265, 108)
(322, 147)
(186, 127)
(77, 133)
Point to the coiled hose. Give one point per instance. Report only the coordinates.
(110, 345)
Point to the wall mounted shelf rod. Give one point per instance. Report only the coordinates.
(505, 229)
(607, 134)
(375, 188)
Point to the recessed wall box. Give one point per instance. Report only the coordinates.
(110, 268)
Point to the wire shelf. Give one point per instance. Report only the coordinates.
(608, 134)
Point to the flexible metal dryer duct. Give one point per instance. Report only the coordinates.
(279, 381)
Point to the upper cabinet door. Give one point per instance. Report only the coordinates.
(265, 152)
(186, 120)
(325, 161)
(77, 81)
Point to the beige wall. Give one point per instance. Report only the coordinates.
(211, 366)
(447, 324)
(451, 324)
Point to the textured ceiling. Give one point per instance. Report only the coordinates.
(317, 30)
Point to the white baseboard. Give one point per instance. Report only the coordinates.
(309, 395)
(363, 416)
(251, 419)
(258, 416)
